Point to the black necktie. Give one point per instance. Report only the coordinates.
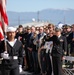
(39, 36)
(73, 35)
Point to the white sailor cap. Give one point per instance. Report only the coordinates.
(11, 29)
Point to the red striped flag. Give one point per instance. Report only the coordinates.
(3, 18)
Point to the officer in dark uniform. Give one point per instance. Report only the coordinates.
(11, 54)
(66, 34)
(59, 48)
(71, 41)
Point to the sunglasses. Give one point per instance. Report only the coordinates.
(40, 29)
(49, 27)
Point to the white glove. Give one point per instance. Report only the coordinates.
(5, 55)
(20, 68)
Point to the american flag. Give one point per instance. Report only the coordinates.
(3, 19)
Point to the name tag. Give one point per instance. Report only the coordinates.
(61, 40)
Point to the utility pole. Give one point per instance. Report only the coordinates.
(19, 20)
(38, 14)
(64, 17)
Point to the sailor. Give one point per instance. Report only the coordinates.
(11, 53)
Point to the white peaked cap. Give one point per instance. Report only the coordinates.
(11, 29)
(60, 25)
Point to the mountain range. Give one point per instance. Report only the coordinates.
(51, 15)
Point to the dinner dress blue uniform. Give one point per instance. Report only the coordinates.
(59, 47)
(10, 66)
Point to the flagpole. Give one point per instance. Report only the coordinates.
(4, 21)
(5, 44)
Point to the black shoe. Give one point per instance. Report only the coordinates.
(35, 73)
(31, 70)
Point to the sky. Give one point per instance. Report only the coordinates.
(37, 5)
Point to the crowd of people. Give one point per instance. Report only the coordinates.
(37, 56)
(34, 38)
